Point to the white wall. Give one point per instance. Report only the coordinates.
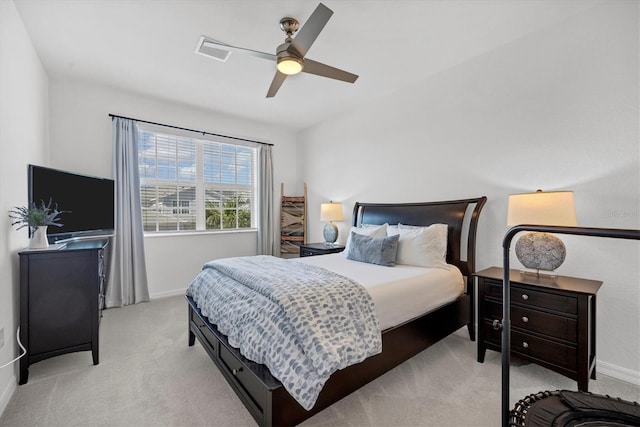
(80, 135)
(23, 140)
(554, 110)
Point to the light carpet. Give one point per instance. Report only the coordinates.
(148, 376)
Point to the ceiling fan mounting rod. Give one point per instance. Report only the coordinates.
(289, 26)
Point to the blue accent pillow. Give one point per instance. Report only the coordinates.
(374, 250)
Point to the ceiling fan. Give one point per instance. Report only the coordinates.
(290, 55)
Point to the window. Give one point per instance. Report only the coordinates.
(189, 184)
(182, 204)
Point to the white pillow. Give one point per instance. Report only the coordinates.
(422, 246)
(369, 230)
(391, 229)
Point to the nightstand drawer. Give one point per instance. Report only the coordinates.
(562, 327)
(533, 347)
(527, 297)
(313, 249)
(306, 252)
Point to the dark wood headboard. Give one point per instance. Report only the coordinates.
(460, 215)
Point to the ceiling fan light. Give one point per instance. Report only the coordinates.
(289, 65)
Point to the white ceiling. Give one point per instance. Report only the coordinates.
(147, 46)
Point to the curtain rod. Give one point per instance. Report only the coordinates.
(190, 130)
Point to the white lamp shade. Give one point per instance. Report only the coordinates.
(331, 212)
(542, 208)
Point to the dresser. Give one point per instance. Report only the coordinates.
(553, 321)
(61, 299)
(311, 249)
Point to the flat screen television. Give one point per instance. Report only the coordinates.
(88, 201)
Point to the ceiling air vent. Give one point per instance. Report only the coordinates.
(212, 52)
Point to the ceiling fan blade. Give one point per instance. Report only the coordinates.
(323, 70)
(278, 79)
(310, 30)
(209, 43)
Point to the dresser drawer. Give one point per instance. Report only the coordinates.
(525, 296)
(532, 347)
(101, 262)
(562, 327)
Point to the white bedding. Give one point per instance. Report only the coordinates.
(399, 293)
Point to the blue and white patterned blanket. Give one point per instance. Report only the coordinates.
(303, 322)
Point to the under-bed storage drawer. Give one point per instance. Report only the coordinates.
(252, 382)
(201, 324)
(255, 392)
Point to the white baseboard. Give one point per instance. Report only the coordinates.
(6, 395)
(165, 294)
(617, 372)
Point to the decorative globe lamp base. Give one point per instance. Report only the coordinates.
(540, 251)
(330, 233)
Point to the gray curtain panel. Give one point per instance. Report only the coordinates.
(265, 201)
(127, 282)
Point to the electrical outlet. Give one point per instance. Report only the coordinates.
(1, 337)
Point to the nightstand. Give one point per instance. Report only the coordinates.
(311, 249)
(553, 321)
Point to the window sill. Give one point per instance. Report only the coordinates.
(196, 233)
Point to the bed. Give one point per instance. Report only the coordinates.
(266, 398)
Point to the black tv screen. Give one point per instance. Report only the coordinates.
(88, 201)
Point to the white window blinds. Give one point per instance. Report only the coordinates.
(189, 184)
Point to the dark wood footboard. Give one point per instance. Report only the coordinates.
(266, 398)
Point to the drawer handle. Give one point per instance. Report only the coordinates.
(525, 297)
(525, 344)
(525, 319)
(236, 371)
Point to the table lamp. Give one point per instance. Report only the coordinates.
(330, 212)
(541, 251)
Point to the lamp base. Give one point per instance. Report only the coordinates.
(330, 233)
(540, 251)
(539, 274)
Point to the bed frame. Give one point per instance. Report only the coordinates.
(266, 398)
